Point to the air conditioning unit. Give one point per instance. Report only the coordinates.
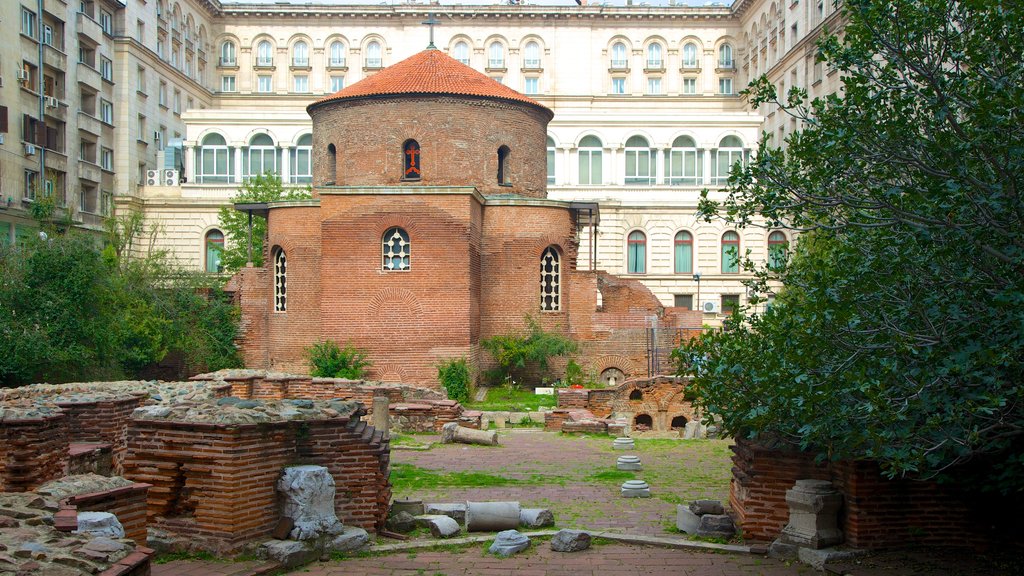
(170, 177)
(52, 102)
(153, 177)
(710, 307)
(22, 74)
(30, 149)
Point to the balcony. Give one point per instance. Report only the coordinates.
(90, 124)
(89, 76)
(300, 64)
(89, 28)
(496, 64)
(89, 171)
(54, 58)
(531, 64)
(264, 63)
(227, 63)
(654, 66)
(337, 64)
(692, 66)
(60, 111)
(374, 63)
(55, 7)
(619, 65)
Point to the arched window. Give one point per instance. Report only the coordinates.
(639, 168)
(730, 151)
(636, 253)
(214, 160)
(412, 165)
(532, 56)
(337, 54)
(654, 60)
(264, 54)
(684, 252)
(725, 56)
(396, 249)
(550, 280)
(373, 55)
(214, 244)
(730, 252)
(504, 174)
(332, 164)
(551, 161)
(302, 160)
(619, 61)
(261, 156)
(690, 55)
(636, 395)
(462, 52)
(590, 160)
(227, 53)
(778, 250)
(300, 54)
(280, 281)
(496, 55)
(685, 164)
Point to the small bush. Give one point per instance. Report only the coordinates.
(328, 360)
(453, 374)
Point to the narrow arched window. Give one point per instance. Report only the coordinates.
(730, 151)
(725, 56)
(396, 250)
(504, 176)
(636, 253)
(300, 54)
(654, 60)
(280, 281)
(462, 52)
(778, 250)
(532, 59)
(683, 252)
(551, 160)
(590, 160)
(619, 61)
(550, 280)
(261, 156)
(412, 169)
(332, 164)
(639, 168)
(264, 54)
(227, 53)
(373, 55)
(690, 55)
(337, 54)
(496, 55)
(730, 252)
(214, 245)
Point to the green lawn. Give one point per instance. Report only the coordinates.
(513, 400)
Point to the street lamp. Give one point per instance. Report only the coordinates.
(696, 278)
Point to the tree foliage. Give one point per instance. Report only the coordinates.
(454, 376)
(328, 360)
(900, 334)
(73, 311)
(517, 355)
(235, 224)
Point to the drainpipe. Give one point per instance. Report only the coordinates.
(42, 100)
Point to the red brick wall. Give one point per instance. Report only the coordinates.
(32, 452)
(572, 398)
(252, 292)
(296, 230)
(877, 512)
(103, 421)
(127, 503)
(459, 139)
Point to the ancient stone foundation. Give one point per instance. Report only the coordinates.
(654, 404)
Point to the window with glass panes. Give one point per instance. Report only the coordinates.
(531, 85)
(337, 83)
(551, 160)
(227, 83)
(337, 54)
(685, 163)
(689, 85)
(590, 149)
(462, 53)
(618, 85)
(260, 156)
(639, 167)
(264, 83)
(730, 252)
(214, 163)
(214, 251)
(636, 253)
(683, 252)
(778, 248)
(730, 151)
(302, 160)
(690, 55)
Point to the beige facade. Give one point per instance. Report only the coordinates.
(645, 100)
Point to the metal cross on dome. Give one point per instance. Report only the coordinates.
(431, 21)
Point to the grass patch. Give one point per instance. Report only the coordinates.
(406, 439)
(198, 556)
(406, 478)
(611, 476)
(513, 400)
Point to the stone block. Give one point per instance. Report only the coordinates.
(402, 523)
(456, 511)
(351, 539)
(536, 517)
(308, 499)
(817, 559)
(102, 524)
(716, 526)
(629, 463)
(289, 553)
(509, 542)
(702, 507)
(413, 507)
(686, 520)
(518, 417)
(813, 510)
(635, 489)
(624, 443)
(570, 541)
(439, 526)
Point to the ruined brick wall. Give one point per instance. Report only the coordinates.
(33, 451)
(128, 503)
(103, 421)
(573, 398)
(877, 512)
(459, 139)
(217, 483)
(90, 457)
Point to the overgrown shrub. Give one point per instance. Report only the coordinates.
(453, 374)
(517, 355)
(328, 360)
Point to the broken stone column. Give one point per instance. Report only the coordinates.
(491, 516)
(102, 524)
(452, 432)
(813, 510)
(381, 419)
(307, 494)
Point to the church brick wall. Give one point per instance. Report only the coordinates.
(459, 139)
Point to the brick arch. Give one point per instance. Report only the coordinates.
(390, 372)
(389, 297)
(385, 221)
(601, 363)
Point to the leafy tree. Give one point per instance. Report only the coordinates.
(454, 376)
(517, 355)
(328, 360)
(235, 224)
(900, 334)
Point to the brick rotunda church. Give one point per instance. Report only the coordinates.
(429, 230)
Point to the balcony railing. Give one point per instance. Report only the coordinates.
(619, 64)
